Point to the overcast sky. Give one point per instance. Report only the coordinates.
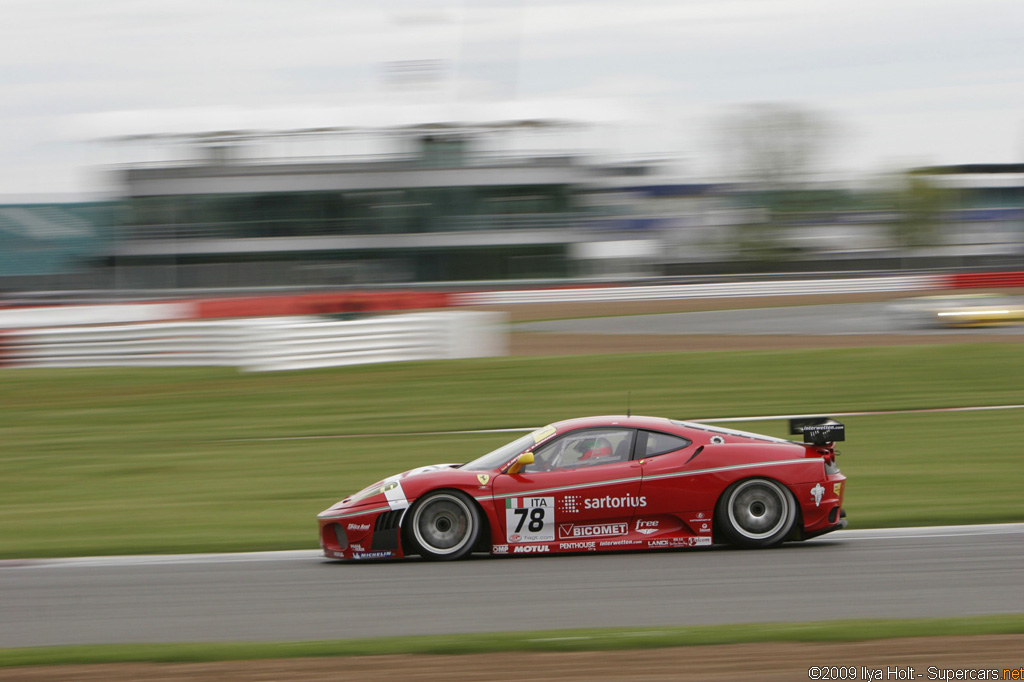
(908, 82)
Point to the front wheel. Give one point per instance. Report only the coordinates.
(756, 512)
(444, 525)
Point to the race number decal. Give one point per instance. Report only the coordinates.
(530, 519)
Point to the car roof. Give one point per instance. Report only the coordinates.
(677, 426)
(632, 422)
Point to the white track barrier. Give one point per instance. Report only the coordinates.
(264, 344)
(852, 285)
(64, 315)
(125, 313)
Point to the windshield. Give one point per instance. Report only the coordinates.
(495, 458)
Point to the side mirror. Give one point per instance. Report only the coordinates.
(521, 461)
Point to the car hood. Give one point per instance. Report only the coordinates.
(418, 471)
(390, 488)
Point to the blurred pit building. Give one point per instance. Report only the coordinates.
(443, 202)
(340, 207)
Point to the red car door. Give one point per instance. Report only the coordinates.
(680, 498)
(582, 492)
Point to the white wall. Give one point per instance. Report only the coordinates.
(263, 344)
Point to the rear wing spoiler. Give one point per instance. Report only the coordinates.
(818, 430)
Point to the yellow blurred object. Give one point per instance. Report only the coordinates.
(981, 316)
(963, 310)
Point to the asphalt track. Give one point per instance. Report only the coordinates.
(826, 320)
(897, 573)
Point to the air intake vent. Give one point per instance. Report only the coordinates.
(388, 520)
(340, 536)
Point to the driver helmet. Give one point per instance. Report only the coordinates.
(592, 448)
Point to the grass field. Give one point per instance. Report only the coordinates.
(136, 461)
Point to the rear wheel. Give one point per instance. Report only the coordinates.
(756, 512)
(444, 525)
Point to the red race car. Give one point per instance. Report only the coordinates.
(602, 484)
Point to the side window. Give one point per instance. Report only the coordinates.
(660, 443)
(588, 447)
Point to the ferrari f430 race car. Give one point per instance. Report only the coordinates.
(601, 484)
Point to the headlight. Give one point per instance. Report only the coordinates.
(370, 492)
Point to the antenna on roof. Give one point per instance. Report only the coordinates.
(629, 410)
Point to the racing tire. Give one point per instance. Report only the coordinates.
(443, 525)
(756, 512)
